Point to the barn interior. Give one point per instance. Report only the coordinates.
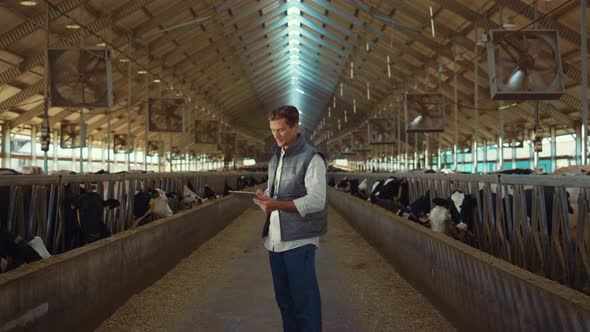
(124, 98)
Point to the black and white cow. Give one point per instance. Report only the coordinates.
(226, 189)
(331, 182)
(84, 218)
(392, 194)
(190, 199)
(154, 203)
(363, 189)
(343, 185)
(455, 216)
(418, 211)
(15, 252)
(209, 193)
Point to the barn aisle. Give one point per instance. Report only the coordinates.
(226, 285)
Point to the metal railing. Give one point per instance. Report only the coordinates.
(556, 246)
(34, 205)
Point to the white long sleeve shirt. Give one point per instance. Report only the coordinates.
(313, 201)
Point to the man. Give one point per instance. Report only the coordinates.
(295, 203)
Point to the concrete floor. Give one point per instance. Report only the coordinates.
(226, 285)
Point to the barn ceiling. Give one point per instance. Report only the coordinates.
(235, 60)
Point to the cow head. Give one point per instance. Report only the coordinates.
(189, 198)
(460, 206)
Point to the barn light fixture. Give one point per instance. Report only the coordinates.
(156, 80)
(72, 26)
(101, 44)
(141, 72)
(124, 60)
(28, 3)
(507, 106)
(431, 19)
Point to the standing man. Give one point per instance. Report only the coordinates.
(296, 217)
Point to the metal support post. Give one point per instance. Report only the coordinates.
(416, 154)
(531, 149)
(456, 120)
(55, 150)
(475, 156)
(474, 151)
(584, 86)
(578, 156)
(485, 156)
(500, 154)
(514, 151)
(128, 114)
(89, 159)
(33, 146)
(426, 153)
(103, 152)
(439, 157)
(553, 149)
(6, 145)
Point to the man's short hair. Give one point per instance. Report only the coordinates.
(287, 112)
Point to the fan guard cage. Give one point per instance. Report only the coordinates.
(525, 65)
(81, 77)
(166, 114)
(122, 143)
(72, 136)
(360, 139)
(425, 112)
(381, 131)
(206, 132)
(153, 148)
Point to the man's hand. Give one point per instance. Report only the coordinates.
(265, 203)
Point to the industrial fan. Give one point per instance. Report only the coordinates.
(524, 65)
(424, 112)
(166, 114)
(153, 148)
(72, 135)
(381, 131)
(81, 77)
(122, 143)
(206, 131)
(347, 145)
(360, 139)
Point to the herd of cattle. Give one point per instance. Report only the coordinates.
(456, 214)
(82, 212)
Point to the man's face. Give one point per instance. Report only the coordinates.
(282, 133)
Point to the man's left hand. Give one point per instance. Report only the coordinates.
(264, 202)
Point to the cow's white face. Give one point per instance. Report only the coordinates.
(458, 197)
(162, 194)
(363, 185)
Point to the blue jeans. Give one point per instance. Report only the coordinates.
(296, 289)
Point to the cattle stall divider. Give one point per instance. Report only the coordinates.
(555, 245)
(36, 205)
(79, 289)
(474, 290)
